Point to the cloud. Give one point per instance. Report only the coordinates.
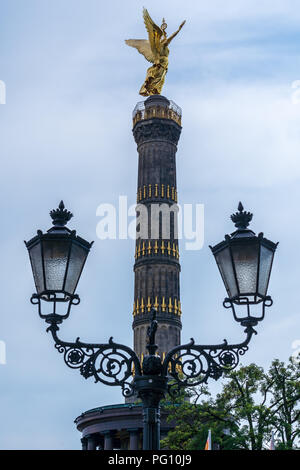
(248, 135)
(72, 84)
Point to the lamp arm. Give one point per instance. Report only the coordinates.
(110, 363)
(192, 364)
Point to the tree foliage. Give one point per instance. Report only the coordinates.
(251, 405)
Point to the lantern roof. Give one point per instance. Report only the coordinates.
(242, 219)
(60, 217)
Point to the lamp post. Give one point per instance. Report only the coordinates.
(244, 260)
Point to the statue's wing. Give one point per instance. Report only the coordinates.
(143, 46)
(154, 33)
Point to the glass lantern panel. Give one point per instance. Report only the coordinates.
(266, 257)
(224, 262)
(245, 258)
(37, 267)
(55, 258)
(77, 260)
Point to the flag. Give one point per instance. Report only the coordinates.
(208, 442)
(272, 445)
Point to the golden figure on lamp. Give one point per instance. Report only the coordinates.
(156, 51)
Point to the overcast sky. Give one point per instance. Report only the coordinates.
(65, 133)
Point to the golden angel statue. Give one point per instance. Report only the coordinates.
(156, 51)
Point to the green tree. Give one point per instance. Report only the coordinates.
(252, 403)
(284, 383)
(192, 420)
(246, 395)
(185, 417)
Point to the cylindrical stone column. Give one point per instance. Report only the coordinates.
(84, 443)
(157, 128)
(108, 440)
(91, 442)
(133, 439)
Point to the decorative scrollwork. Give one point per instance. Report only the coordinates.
(109, 363)
(74, 357)
(191, 364)
(118, 365)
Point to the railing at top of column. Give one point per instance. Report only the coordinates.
(173, 111)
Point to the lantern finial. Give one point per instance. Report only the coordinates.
(60, 216)
(242, 218)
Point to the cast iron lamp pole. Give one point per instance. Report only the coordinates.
(245, 262)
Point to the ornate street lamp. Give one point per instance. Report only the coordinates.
(57, 260)
(245, 262)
